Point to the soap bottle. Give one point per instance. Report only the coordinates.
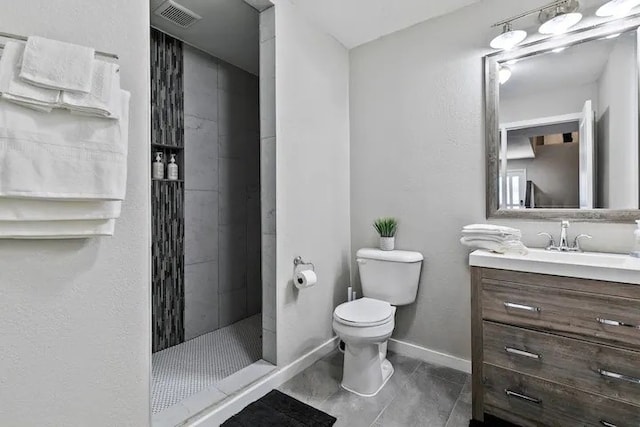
(172, 169)
(636, 243)
(158, 166)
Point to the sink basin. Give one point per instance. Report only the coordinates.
(585, 265)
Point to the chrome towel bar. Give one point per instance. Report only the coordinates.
(23, 38)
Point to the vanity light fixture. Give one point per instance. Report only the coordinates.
(617, 8)
(509, 38)
(556, 18)
(559, 19)
(504, 74)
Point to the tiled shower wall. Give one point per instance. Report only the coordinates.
(268, 179)
(222, 194)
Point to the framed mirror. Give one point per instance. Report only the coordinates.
(563, 127)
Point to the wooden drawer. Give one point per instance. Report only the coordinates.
(594, 368)
(625, 290)
(530, 401)
(606, 319)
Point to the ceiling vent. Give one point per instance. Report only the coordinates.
(177, 14)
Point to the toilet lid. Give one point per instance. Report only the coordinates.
(364, 311)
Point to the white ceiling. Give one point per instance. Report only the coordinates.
(229, 30)
(355, 22)
(260, 5)
(576, 66)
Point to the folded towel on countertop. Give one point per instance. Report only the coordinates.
(513, 246)
(57, 65)
(495, 238)
(491, 229)
(15, 90)
(56, 229)
(63, 156)
(103, 99)
(499, 238)
(55, 210)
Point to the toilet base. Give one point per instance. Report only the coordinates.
(366, 369)
(387, 372)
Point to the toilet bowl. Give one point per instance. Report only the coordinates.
(365, 325)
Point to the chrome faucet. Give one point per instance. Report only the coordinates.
(564, 243)
(564, 240)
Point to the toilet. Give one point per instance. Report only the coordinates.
(389, 279)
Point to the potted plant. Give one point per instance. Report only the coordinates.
(386, 228)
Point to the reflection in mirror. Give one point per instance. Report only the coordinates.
(569, 128)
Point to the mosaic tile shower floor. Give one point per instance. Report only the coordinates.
(185, 369)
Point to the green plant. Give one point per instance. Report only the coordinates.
(386, 227)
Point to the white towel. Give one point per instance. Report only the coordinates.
(489, 237)
(56, 229)
(63, 156)
(513, 246)
(54, 210)
(103, 100)
(491, 229)
(57, 65)
(18, 91)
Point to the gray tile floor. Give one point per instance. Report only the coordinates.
(418, 394)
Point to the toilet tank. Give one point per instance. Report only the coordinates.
(390, 276)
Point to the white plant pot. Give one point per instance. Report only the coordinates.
(387, 243)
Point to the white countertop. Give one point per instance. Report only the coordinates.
(586, 265)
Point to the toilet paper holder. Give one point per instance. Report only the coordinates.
(298, 261)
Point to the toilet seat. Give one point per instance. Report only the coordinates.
(364, 312)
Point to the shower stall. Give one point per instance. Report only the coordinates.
(206, 248)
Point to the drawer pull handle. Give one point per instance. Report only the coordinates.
(523, 397)
(522, 353)
(616, 323)
(522, 307)
(607, 424)
(617, 376)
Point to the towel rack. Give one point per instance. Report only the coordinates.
(24, 39)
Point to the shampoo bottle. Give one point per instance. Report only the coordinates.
(172, 168)
(636, 243)
(158, 167)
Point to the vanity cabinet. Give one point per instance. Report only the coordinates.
(555, 351)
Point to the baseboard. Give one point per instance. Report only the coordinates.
(255, 391)
(430, 356)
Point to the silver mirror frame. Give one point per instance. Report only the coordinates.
(492, 123)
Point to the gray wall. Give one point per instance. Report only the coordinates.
(555, 171)
(76, 315)
(312, 179)
(567, 100)
(618, 128)
(417, 152)
(222, 204)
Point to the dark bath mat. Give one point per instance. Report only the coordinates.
(491, 421)
(279, 409)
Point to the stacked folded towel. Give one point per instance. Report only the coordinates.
(33, 77)
(494, 238)
(63, 159)
(54, 64)
(16, 90)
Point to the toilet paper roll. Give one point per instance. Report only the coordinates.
(305, 279)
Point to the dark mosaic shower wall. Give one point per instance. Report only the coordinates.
(167, 197)
(167, 97)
